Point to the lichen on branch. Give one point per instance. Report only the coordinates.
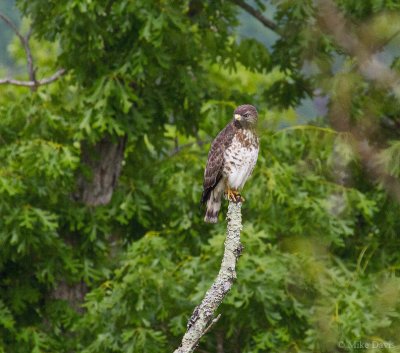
(203, 316)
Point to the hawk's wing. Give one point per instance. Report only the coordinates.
(216, 159)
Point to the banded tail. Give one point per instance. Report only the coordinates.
(213, 199)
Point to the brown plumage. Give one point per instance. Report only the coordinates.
(231, 160)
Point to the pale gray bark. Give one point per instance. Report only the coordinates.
(35, 83)
(203, 316)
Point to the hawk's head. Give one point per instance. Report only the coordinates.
(246, 115)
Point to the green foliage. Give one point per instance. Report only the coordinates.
(320, 270)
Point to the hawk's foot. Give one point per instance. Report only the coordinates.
(234, 196)
(238, 198)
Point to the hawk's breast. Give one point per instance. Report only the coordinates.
(240, 158)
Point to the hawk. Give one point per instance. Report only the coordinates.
(231, 160)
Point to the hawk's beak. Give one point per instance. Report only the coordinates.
(238, 117)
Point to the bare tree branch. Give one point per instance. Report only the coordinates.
(12, 26)
(258, 15)
(33, 83)
(25, 43)
(44, 81)
(203, 318)
(29, 58)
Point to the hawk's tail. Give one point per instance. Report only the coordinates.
(214, 203)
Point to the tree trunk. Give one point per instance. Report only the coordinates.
(102, 166)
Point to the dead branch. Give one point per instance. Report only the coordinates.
(203, 316)
(42, 82)
(33, 83)
(257, 15)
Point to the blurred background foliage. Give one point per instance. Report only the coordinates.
(320, 270)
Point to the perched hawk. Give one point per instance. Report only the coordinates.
(231, 160)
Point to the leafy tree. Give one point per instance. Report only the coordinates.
(102, 243)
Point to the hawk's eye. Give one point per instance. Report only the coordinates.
(246, 115)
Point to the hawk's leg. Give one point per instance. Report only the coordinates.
(233, 195)
(230, 194)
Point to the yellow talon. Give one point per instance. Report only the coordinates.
(233, 195)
